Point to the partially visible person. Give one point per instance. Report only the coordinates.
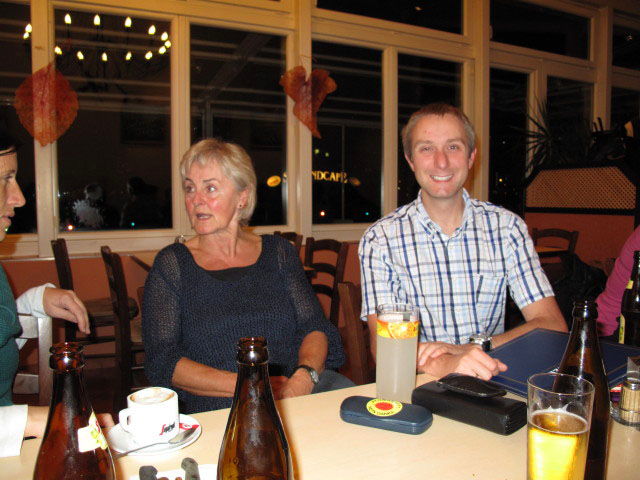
(225, 283)
(21, 420)
(141, 210)
(609, 301)
(453, 256)
(92, 212)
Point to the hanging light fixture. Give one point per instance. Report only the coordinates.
(104, 56)
(28, 28)
(67, 19)
(162, 50)
(152, 30)
(164, 37)
(127, 22)
(58, 50)
(96, 20)
(25, 35)
(80, 55)
(128, 56)
(148, 55)
(167, 44)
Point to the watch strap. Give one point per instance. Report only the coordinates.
(312, 372)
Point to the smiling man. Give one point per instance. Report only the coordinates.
(453, 256)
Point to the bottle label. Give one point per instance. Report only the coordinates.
(91, 437)
(621, 331)
(630, 284)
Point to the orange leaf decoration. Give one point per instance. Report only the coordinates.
(46, 105)
(307, 93)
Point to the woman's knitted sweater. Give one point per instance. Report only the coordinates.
(198, 314)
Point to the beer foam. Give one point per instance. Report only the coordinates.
(150, 396)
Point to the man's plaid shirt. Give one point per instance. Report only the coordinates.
(459, 283)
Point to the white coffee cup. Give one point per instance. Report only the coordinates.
(151, 415)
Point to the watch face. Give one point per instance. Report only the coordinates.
(483, 340)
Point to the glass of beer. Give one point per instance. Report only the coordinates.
(396, 351)
(559, 418)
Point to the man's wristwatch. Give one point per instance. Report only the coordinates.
(483, 340)
(315, 378)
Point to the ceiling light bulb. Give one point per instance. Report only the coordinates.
(58, 50)
(152, 30)
(104, 56)
(28, 28)
(164, 37)
(127, 22)
(127, 57)
(162, 50)
(80, 55)
(167, 44)
(67, 19)
(148, 55)
(96, 20)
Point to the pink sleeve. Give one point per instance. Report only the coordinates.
(609, 300)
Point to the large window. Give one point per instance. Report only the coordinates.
(421, 81)
(114, 162)
(507, 147)
(445, 15)
(235, 96)
(347, 160)
(540, 28)
(15, 67)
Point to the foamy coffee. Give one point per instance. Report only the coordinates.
(150, 396)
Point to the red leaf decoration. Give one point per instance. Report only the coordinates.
(307, 93)
(46, 105)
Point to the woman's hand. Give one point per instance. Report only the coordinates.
(65, 304)
(297, 385)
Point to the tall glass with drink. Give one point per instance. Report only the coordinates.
(397, 347)
(559, 417)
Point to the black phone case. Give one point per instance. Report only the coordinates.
(473, 386)
(412, 419)
(496, 414)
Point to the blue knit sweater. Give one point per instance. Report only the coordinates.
(198, 314)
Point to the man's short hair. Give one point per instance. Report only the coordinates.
(8, 144)
(439, 109)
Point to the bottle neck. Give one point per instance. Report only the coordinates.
(68, 389)
(584, 331)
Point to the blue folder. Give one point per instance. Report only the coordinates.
(541, 350)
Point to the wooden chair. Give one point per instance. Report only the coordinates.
(100, 310)
(126, 349)
(293, 237)
(41, 383)
(356, 335)
(568, 236)
(335, 270)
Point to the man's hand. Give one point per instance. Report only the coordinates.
(440, 359)
(297, 385)
(65, 304)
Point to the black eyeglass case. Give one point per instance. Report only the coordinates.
(386, 414)
(491, 412)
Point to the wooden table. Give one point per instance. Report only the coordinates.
(324, 447)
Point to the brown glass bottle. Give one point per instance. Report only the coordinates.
(582, 358)
(254, 445)
(73, 445)
(630, 306)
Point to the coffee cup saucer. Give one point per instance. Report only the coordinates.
(121, 441)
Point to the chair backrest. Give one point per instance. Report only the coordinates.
(63, 265)
(122, 327)
(293, 237)
(356, 334)
(28, 383)
(571, 236)
(336, 270)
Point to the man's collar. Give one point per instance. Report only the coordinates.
(432, 226)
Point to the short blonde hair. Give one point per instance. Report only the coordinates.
(234, 162)
(440, 110)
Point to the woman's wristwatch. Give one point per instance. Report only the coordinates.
(315, 378)
(483, 340)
